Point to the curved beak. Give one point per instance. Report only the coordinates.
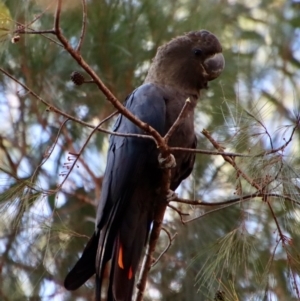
(214, 65)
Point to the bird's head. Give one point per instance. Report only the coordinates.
(188, 62)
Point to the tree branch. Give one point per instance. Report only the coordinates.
(231, 161)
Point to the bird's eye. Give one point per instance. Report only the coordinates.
(197, 51)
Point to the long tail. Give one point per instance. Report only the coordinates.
(122, 242)
(85, 267)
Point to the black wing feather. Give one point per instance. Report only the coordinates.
(129, 161)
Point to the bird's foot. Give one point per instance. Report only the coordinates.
(171, 196)
(168, 162)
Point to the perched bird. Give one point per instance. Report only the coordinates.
(180, 69)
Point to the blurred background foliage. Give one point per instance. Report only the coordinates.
(234, 253)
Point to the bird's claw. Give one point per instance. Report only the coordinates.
(168, 162)
(171, 196)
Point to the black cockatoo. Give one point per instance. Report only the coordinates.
(180, 69)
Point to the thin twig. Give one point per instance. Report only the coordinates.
(21, 29)
(83, 27)
(282, 147)
(231, 161)
(49, 151)
(208, 152)
(30, 30)
(7, 153)
(178, 211)
(206, 213)
(177, 121)
(171, 239)
(264, 127)
(43, 33)
(39, 15)
(283, 239)
(77, 155)
(235, 200)
(207, 204)
(68, 146)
